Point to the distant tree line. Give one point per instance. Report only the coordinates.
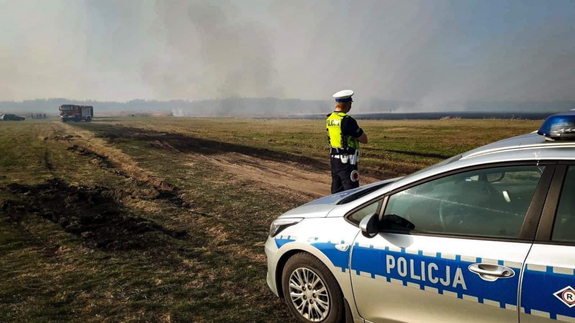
(273, 106)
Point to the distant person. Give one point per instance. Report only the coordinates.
(344, 136)
(44, 116)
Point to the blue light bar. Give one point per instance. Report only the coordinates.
(559, 126)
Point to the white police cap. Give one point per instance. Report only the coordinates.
(343, 96)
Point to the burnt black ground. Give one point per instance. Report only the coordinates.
(92, 213)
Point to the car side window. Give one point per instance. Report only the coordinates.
(487, 202)
(564, 226)
(358, 215)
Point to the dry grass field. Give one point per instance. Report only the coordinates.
(164, 219)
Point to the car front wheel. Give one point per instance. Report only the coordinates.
(310, 290)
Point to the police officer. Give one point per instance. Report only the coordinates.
(344, 136)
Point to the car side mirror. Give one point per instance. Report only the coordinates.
(493, 178)
(368, 226)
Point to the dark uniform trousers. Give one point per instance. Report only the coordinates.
(341, 176)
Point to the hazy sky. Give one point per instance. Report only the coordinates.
(429, 51)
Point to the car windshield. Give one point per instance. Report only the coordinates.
(363, 192)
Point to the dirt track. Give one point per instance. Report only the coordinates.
(288, 175)
(263, 168)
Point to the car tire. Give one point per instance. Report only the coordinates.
(315, 305)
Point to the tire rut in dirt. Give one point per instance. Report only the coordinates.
(186, 143)
(91, 213)
(158, 189)
(97, 159)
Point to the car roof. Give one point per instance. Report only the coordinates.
(529, 147)
(518, 146)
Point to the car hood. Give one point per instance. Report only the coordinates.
(321, 207)
(309, 211)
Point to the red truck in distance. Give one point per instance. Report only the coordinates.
(71, 112)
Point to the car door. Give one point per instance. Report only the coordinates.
(548, 286)
(451, 248)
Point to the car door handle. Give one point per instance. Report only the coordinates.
(491, 273)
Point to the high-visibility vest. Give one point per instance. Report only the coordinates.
(335, 134)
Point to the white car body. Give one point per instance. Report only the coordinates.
(421, 277)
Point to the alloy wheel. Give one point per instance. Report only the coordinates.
(309, 294)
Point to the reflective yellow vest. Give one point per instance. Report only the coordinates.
(335, 134)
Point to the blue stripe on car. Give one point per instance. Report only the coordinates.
(444, 271)
(539, 282)
(539, 285)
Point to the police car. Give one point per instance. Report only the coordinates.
(486, 236)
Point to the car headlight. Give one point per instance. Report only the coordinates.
(280, 224)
